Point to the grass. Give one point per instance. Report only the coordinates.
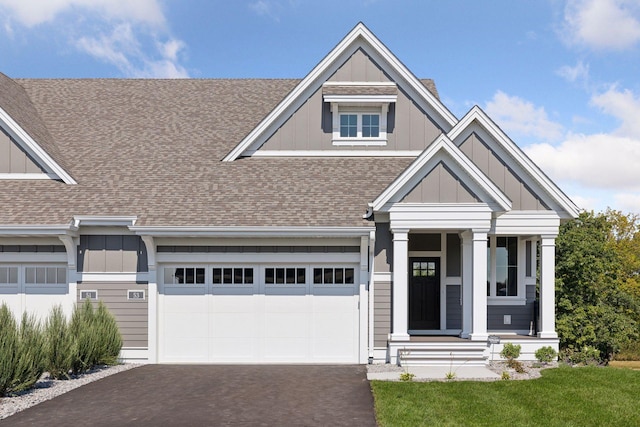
(589, 396)
(630, 364)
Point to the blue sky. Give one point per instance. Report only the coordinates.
(561, 77)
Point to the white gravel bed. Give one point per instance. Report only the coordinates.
(47, 388)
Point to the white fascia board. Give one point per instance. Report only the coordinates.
(33, 148)
(336, 153)
(477, 114)
(519, 223)
(445, 144)
(252, 231)
(361, 99)
(104, 221)
(38, 230)
(349, 44)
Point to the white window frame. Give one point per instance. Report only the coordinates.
(339, 109)
(493, 298)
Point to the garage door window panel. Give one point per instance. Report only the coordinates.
(285, 275)
(184, 276)
(8, 275)
(232, 276)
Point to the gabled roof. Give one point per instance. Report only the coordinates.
(516, 160)
(358, 38)
(472, 177)
(21, 120)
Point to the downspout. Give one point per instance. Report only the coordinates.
(372, 241)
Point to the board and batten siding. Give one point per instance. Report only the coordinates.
(521, 315)
(13, 159)
(502, 176)
(131, 315)
(440, 185)
(310, 127)
(112, 254)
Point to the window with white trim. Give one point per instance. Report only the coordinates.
(184, 275)
(45, 275)
(285, 275)
(333, 276)
(359, 125)
(502, 266)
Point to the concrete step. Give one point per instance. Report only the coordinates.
(442, 356)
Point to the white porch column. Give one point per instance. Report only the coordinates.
(547, 325)
(400, 284)
(479, 263)
(467, 283)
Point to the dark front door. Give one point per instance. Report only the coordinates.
(424, 293)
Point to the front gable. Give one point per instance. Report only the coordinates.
(508, 167)
(300, 124)
(442, 174)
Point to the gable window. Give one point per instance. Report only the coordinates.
(502, 268)
(359, 111)
(359, 125)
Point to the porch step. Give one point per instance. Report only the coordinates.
(440, 354)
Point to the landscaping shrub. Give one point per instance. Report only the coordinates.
(110, 339)
(30, 356)
(546, 354)
(85, 333)
(8, 347)
(511, 352)
(586, 356)
(60, 345)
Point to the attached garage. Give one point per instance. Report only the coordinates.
(259, 313)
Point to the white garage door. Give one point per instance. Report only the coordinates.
(261, 314)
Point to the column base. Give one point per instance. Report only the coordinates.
(544, 334)
(465, 334)
(478, 337)
(399, 337)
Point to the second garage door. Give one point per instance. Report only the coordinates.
(259, 314)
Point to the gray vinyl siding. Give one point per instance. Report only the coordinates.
(310, 127)
(521, 315)
(440, 186)
(454, 309)
(503, 177)
(131, 315)
(13, 159)
(113, 254)
(381, 313)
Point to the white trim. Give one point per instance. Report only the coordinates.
(33, 148)
(111, 277)
(28, 176)
(360, 99)
(440, 216)
(478, 115)
(359, 37)
(355, 142)
(104, 221)
(253, 232)
(427, 161)
(336, 153)
(526, 223)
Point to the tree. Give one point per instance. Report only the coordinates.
(595, 307)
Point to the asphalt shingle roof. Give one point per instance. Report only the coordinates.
(153, 148)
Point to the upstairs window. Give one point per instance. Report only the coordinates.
(359, 125)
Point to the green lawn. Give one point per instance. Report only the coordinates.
(564, 396)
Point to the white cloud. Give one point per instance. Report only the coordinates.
(627, 202)
(598, 161)
(266, 8)
(623, 105)
(131, 35)
(519, 117)
(122, 49)
(602, 24)
(33, 12)
(577, 74)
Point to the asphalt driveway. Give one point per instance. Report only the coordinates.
(213, 395)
